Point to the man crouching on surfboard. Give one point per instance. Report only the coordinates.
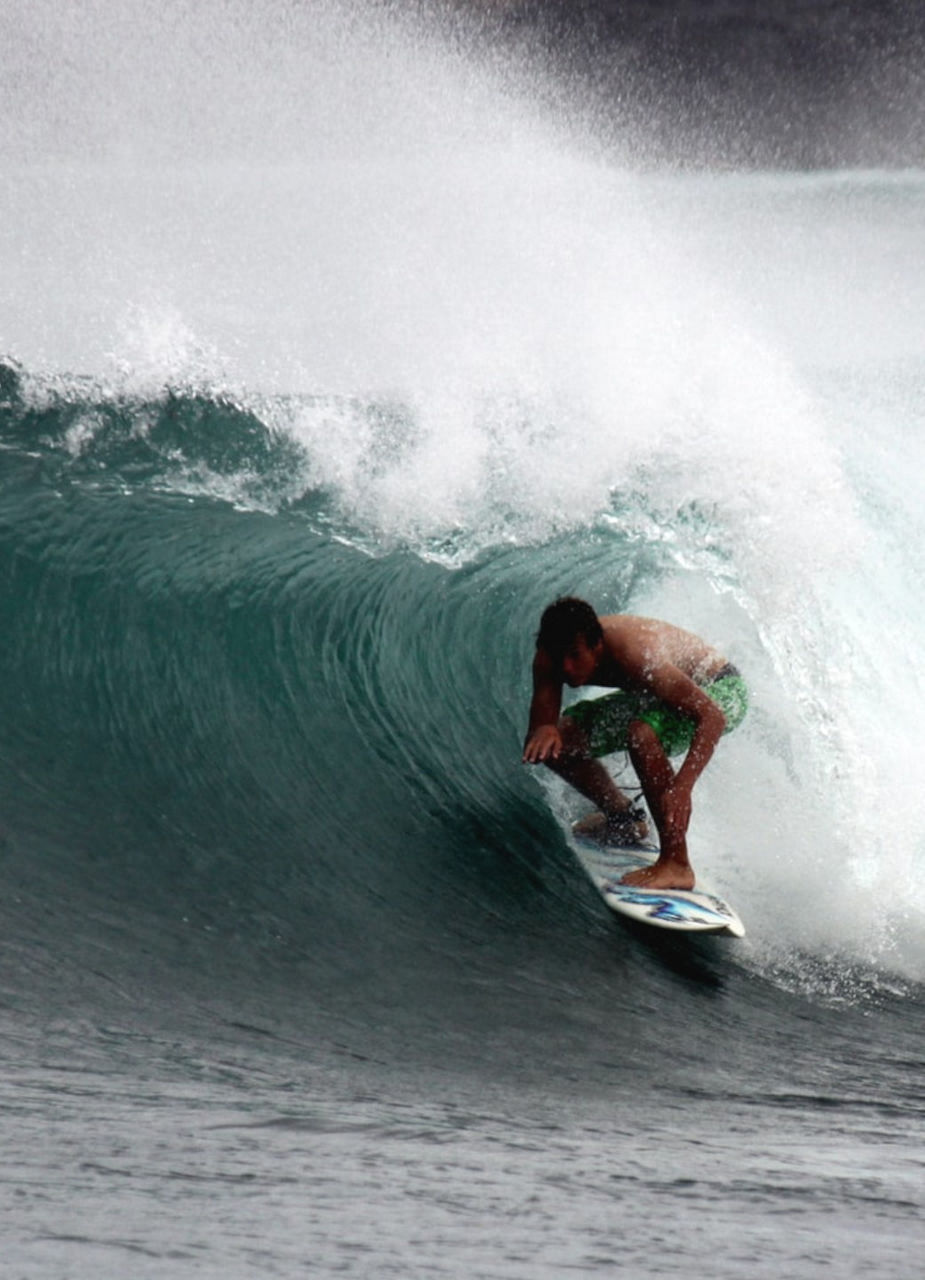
(676, 694)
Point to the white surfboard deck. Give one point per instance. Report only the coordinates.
(695, 910)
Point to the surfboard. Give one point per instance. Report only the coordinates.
(695, 910)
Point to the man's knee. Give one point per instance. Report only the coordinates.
(575, 743)
(641, 737)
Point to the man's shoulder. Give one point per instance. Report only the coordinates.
(625, 632)
(629, 622)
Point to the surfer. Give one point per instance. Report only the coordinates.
(675, 694)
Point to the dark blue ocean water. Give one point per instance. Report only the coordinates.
(309, 403)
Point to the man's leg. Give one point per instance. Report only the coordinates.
(673, 869)
(589, 776)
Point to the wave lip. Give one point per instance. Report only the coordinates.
(197, 607)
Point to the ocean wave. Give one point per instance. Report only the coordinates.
(223, 701)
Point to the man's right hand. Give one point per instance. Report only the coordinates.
(544, 743)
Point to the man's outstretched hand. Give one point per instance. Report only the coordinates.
(544, 743)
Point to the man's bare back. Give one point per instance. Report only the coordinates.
(634, 643)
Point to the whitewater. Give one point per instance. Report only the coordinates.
(328, 357)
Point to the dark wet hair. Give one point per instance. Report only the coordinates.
(563, 622)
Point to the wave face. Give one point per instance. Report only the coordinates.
(308, 411)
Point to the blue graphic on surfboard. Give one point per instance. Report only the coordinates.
(695, 910)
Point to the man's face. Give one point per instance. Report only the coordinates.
(578, 663)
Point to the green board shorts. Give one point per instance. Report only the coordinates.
(606, 720)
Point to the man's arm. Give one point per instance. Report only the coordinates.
(679, 692)
(543, 741)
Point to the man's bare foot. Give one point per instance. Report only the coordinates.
(663, 874)
(627, 827)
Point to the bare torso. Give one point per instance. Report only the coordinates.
(635, 645)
